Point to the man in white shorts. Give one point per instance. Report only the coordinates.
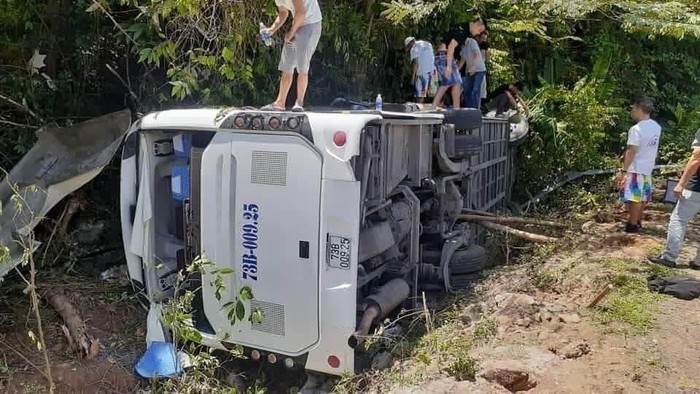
(299, 46)
(424, 77)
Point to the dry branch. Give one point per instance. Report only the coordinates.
(85, 345)
(478, 213)
(74, 205)
(21, 125)
(20, 106)
(601, 295)
(518, 233)
(509, 219)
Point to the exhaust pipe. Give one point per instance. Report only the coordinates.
(389, 296)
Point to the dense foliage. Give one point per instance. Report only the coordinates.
(582, 61)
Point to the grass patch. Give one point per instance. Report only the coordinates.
(485, 328)
(464, 367)
(540, 253)
(631, 303)
(556, 277)
(551, 278)
(421, 355)
(652, 248)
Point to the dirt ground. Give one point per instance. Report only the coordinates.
(634, 341)
(111, 315)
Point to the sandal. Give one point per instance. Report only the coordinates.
(297, 108)
(271, 107)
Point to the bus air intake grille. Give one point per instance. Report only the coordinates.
(272, 321)
(269, 168)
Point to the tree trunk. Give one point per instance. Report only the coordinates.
(537, 238)
(508, 219)
(75, 330)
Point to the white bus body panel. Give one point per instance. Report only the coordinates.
(340, 215)
(269, 186)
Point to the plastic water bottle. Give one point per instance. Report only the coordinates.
(265, 35)
(378, 104)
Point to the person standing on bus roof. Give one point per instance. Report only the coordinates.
(446, 63)
(424, 77)
(299, 46)
(475, 72)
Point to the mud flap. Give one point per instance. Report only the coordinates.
(61, 161)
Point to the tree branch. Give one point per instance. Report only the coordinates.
(519, 233)
(507, 219)
(24, 126)
(22, 107)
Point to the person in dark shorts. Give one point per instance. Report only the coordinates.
(687, 191)
(299, 46)
(505, 97)
(446, 61)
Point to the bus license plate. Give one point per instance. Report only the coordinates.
(338, 255)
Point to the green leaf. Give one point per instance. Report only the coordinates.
(246, 293)
(144, 54)
(93, 7)
(228, 305)
(424, 358)
(256, 316)
(192, 335)
(231, 316)
(240, 310)
(225, 271)
(227, 54)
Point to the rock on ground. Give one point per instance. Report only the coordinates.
(574, 350)
(569, 318)
(512, 375)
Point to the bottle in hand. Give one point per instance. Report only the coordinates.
(265, 35)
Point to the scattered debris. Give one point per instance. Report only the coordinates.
(515, 307)
(119, 274)
(554, 308)
(235, 381)
(505, 300)
(88, 233)
(601, 295)
(544, 317)
(524, 322)
(570, 318)
(604, 217)
(472, 313)
(161, 359)
(574, 350)
(510, 374)
(73, 207)
(382, 360)
(78, 339)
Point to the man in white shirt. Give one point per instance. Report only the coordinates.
(634, 179)
(300, 44)
(475, 72)
(424, 77)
